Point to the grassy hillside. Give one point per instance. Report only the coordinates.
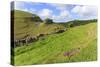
(52, 48)
(24, 25)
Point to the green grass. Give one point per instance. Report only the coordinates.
(52, 48)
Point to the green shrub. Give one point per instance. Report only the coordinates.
(36, 19)
(48, 21)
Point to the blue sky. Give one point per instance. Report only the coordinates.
(58, 12)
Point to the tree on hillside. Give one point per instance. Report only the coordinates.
(48, 21)
(36, 19)
(70, 24)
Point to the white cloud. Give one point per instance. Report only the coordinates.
(64, 15)
(76, 9)
(85, 11)
(32, 10)
(45, 13)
